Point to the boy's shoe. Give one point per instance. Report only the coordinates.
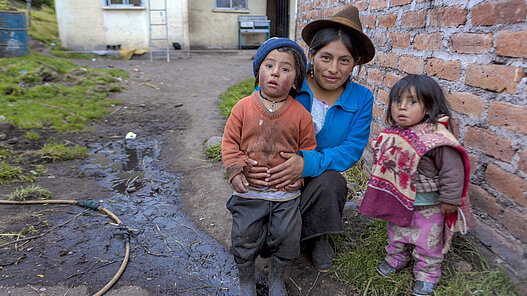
(423, 288)
(385, 269)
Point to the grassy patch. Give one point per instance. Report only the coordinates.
(43, 25)
(10, 173)
(234, 94)
(38, 91)
(29, 192)
(357, 178)
(214, 152)
(62, 52)
(31, 135)
(55, 152)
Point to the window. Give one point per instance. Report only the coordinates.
(231, 4)
(121, 3)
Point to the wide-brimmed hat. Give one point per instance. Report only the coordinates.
(348, 20)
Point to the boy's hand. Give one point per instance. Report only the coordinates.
(294, 186)
(448, 208)
(240, 183)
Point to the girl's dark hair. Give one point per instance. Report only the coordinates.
(300, 69)
(428, 92)
(328, 35)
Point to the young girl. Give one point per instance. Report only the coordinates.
(419, 180)
(260, 127)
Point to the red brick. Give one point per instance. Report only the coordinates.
(362, 73)
(375, 130)
(426, 41)
(499, 12)
(378, 4)
(387, 60)
(399, 2)
(516, 223)
(496, 78)
(449, 70)
(490, 143)
(411, 65)
(466, 103)
(522, 164)
(368, 21)
(514, 187)
(455, 125)
(512, 44)
(510, 116)
(453, 16)
(391, 79)
(383, 96)
(400, 39)
(379, 39)
(414, 19)
(375, 76)
(362, 5)
(471, 43)
(508, 249)
(484, 201)
(387, 20)
(378, 111)
(474, 161)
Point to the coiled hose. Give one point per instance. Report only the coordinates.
(94, 206)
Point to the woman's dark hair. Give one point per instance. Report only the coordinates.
(300, 69)
(428, 92)
(328, 35)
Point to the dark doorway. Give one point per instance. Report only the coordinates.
(278, 13)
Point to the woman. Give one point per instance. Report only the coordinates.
(342, 115)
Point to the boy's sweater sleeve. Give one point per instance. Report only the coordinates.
(308, 140)
(234, 159)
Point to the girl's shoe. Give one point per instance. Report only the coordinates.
(423, 288)
(385, 269)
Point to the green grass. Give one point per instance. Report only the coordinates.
(214, 152)
(55, 152)
(357, 178)
(29, 192)
(234, 94)
(43, 25)
(10, 173)
(31, 135)
(38, 91)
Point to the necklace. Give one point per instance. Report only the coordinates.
(274, 104)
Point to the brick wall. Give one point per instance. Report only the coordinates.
(477, 50)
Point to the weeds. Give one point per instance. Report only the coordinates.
(29, 193)
(214, 152)
(357, 178)
(31, 135)
(234, 94)
(55, 152)
(12, 173)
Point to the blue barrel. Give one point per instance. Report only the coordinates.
(14, 40)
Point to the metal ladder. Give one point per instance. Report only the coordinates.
(159, 22)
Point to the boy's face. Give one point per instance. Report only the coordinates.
(408, 110)
(277, 75)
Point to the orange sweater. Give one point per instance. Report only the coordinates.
(252, 131)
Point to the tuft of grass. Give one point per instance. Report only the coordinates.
(214, 152)
(358, 179)
(12, 173)
(233, 94)
(29, 193)
(357, 259)
(31, 135)
(55, 152)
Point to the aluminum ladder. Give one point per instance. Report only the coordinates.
(158, 26)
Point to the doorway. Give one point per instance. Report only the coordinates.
(278, 13)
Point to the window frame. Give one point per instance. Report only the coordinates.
(230, 6)
(126, 4)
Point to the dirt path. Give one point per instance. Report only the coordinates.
(176, 104)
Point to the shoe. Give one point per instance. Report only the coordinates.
(322, 254)
(276, 277)
(385, 269)
(423, 288)
(247, 278)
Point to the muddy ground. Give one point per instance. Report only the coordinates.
(160, 184)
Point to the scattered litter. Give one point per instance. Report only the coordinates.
(137, 70)
(478, 291)
(94, 60)
(127, 53)
(130, 136)
(150, 84)
(2, 117)
(23, 71)
(10, 105)
(178, 105)
(53, 44)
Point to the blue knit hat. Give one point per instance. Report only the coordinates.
(274, 43)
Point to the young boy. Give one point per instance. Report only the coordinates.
(260, 127)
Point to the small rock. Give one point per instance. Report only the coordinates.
(12, 141)
(463, 266)
(212, 141)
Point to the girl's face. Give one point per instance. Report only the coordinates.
(332, 64)
(408, 110)
(277, 74)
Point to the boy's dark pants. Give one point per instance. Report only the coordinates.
(256, 222)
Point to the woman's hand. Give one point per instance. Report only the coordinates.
(256, 175)
(286, 173)
(240, 183)
(448, 208)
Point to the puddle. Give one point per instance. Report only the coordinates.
(170, 255)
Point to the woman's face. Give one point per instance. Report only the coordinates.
(333, 64)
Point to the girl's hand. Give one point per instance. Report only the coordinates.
(294, 186)
(240, 183)
(448, 208)
(255, 175)
(287, 172)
